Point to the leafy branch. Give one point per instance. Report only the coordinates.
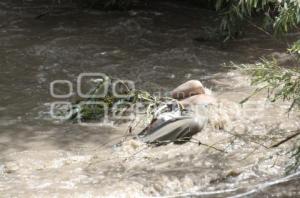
(281, 83)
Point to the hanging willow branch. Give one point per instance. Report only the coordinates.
(281, 83)
(277, 16)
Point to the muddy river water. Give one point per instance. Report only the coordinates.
(155, 48)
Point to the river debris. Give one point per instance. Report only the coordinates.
(115, 100)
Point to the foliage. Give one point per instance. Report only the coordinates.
(93, 110)
(281, 83)
(295, 49)
(281, 16)
(288, 16)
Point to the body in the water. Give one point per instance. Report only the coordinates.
(177, 124)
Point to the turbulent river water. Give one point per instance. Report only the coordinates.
(155, 48)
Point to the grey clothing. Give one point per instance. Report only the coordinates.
(174, 126)
(178, 131)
